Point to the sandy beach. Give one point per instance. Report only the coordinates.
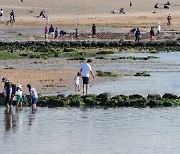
(81, 12)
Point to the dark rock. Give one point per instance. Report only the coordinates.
(153, 103)
(103, 98)
(167, 104)
(138, 102)
(90, 100)
(75, 101)
(169, 96)
(154, 96)
(135, 96)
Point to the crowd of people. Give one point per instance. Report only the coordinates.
(52, 33)
(152, 33)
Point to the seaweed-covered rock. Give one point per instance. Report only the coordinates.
(118, 101)
(106, 74)
(168, 103)
(154, 96)
(54, 101)
(135, 96)
(75, 101)
(153, 103)
(103, 98)
(140, 102)
(90, 100)
(42, 103)
(169, 96)
(145, 74)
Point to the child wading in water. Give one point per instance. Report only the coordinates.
(76, 82)
(18, 95)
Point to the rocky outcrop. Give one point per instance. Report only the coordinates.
(105, 100)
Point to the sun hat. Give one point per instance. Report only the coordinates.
(19, 86)
(4, 79)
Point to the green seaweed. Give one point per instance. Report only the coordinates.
(106, 74)
(145, 74)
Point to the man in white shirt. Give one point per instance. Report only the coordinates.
(33, 95)
(85, 71)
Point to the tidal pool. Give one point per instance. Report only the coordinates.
(100, 131)
(164, 71)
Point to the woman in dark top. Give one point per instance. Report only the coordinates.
(137, 35)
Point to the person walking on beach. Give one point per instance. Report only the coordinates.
(85, 71)
(11, 18)
(47, 20)
(152, 34)
(137, 35)
(33, 96)
(51, 32)
(46, 30)
(76, 82)
(169, 20)
(158, 28)
(56, 32)
(1, 15)
(76, 34)
(93, 30)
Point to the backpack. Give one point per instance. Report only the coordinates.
(14, 88)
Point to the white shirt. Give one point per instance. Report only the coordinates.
(159, 28)
(33, 92)
(76, 80)
(19, 92)
(86, 68)
(2, 12)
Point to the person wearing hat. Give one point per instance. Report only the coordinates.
(19, 97)
(85, 71)
(7, 91)
(33, 96)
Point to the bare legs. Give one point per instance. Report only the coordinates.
(85, 89)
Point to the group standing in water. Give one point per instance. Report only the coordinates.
(13, 93)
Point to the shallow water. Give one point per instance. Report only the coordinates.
(74, 131)
(164, 71)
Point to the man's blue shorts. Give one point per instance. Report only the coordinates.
(34, 100)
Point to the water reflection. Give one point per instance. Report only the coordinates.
(10, 120)
(32, 117)
(76, 131)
